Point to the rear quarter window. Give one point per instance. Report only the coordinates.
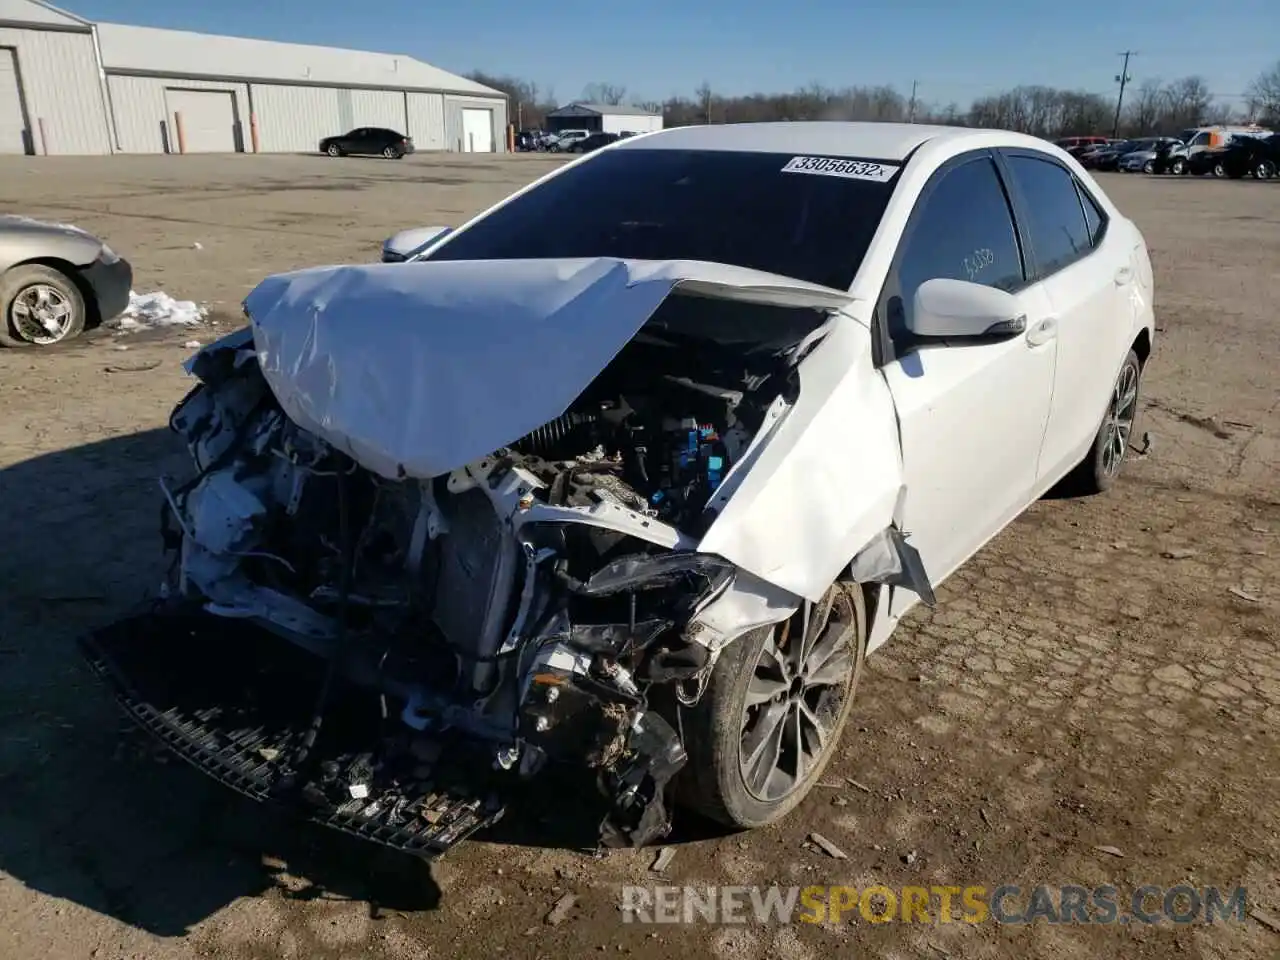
(1055, 219)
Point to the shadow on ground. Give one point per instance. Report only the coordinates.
(93, 812)
(89, 814)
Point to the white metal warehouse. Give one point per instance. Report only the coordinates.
(69, 86)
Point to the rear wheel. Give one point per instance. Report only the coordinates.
(1178, 167)
(391, 153)
(1219, 169)
(1149, 167)
(1264, 170)
(1099, 469)
(39, 306)
(771, 717)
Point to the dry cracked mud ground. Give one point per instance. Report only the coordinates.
(1105, 674)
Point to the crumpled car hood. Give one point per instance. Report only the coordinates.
(420, 368)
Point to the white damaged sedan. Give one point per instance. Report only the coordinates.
(637, 494)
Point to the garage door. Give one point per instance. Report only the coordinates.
(477, 131)
(12, 129)
(208, 120)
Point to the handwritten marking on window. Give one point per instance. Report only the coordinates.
(978, 261)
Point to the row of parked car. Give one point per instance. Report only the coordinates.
(1233, 152)
(566, 141)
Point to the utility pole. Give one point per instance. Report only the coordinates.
(911, 107)
(1122, 78)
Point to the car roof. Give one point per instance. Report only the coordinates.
(880, 141)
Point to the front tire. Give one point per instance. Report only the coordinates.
(771, 717)
(39, 306)
(1097, 472)
(1178, 168)
(1264, 170)
(1149, 167)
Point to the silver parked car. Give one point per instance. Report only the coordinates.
(55, 281)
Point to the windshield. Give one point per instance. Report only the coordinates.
(714, 205)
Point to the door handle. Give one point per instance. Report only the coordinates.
(1043, 332)
(1123, 276)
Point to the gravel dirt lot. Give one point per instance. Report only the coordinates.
(1104, 674)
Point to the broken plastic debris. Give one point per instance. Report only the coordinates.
(1179, 553)
(1264, 918)
(1113, 851)
(663, 860)
(192, 345)
(827, 847)
(358, 791)
(1244, 594)
(560, 912)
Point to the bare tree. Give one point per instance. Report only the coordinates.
(703, 93)
(527, 105)
(607, 93)
(1145, 106)
(1155, 108)
(1264, 95)
(1188, 104)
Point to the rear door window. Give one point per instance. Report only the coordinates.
(1056, 224)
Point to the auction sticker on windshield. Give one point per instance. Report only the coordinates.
(835, 167)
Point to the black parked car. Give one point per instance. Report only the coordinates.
(594, 142)
(368, 141)
(1256, 156)
(1108, 158)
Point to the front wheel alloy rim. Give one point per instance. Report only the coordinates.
(1119, 423)
(41, 314)
(796, 695)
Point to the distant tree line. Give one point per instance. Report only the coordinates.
(1150, 107)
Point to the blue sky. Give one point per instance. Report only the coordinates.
(956, 49)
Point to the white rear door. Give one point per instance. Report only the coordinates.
(1088, 288)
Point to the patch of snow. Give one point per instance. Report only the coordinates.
(158, 309)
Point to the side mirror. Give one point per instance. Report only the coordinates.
(957, 308)
(401, 246)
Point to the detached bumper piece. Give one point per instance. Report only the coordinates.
(235, 701)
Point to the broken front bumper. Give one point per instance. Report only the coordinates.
(235, 702)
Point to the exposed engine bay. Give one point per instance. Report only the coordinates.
(529, 601)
